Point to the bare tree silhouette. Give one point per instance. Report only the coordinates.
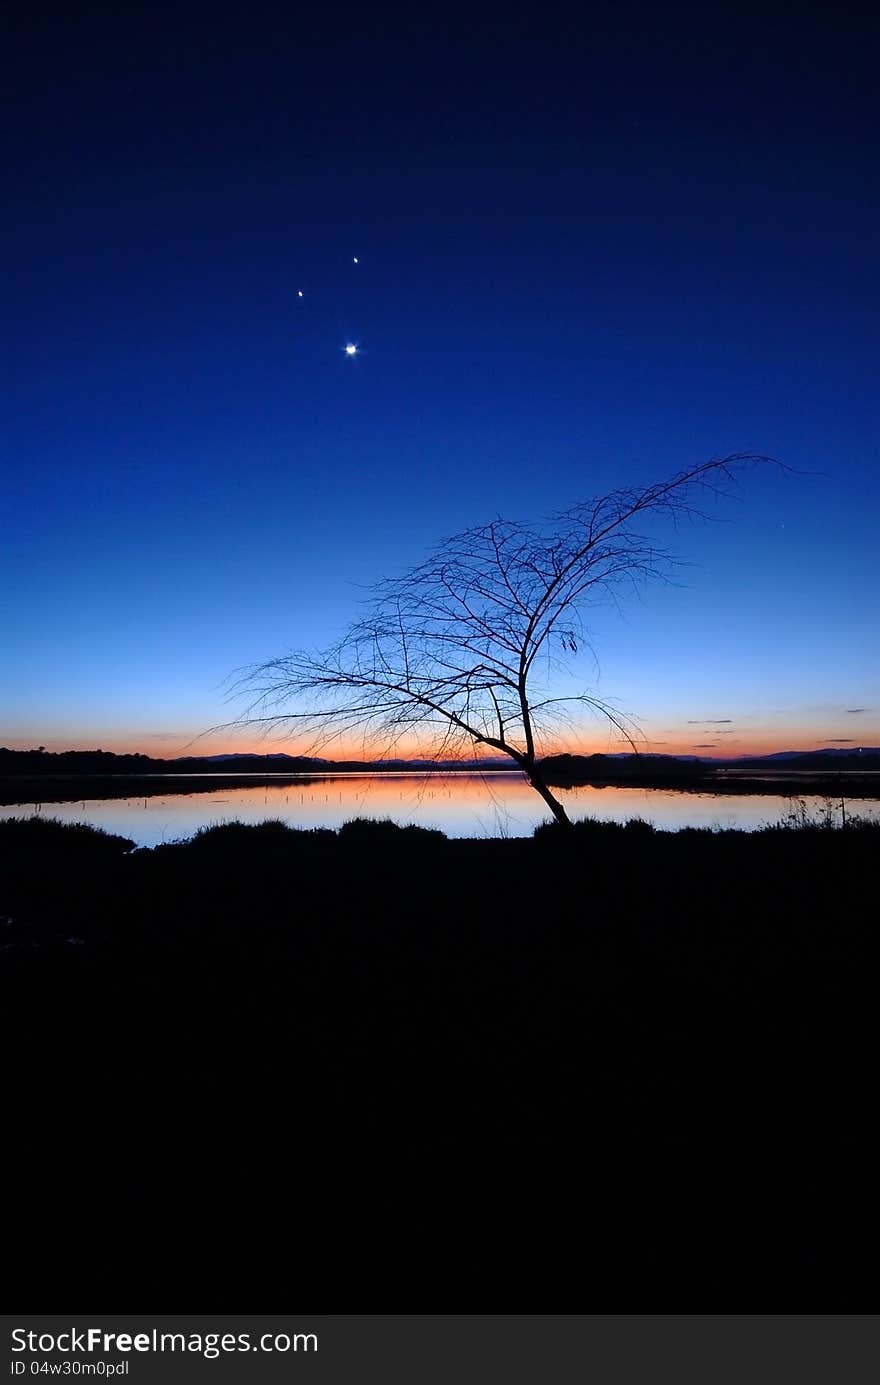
(451, 649)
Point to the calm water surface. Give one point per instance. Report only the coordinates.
(461, 805)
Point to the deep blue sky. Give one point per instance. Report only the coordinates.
(590, 252)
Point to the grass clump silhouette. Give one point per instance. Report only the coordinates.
(274, 832)
(38, 833)
(234, 833)
(379, 831)
(587, 829)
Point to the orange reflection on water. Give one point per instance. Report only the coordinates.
(461, 805)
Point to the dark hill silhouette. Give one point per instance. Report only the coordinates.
(826, 772)
(106, 762)
(867, 758)
(617, 769)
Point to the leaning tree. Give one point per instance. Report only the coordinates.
(464, 649)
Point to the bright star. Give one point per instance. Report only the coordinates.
(355, 259)
(351, 349)
(299, 293)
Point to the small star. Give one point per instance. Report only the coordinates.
(351, 349)
(355, 259)
(299, 293)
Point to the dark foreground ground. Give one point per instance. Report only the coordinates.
(388, 1072)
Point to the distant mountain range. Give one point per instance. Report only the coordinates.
(653, 769)
(810, 758)
(103, 762)
(831, 752)
(495, 761)
(280, 755)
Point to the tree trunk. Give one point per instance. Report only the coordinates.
(540, 785)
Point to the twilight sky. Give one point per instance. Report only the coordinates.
(589, 254)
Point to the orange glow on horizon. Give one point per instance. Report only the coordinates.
(697, 741)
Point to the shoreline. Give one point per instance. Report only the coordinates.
(29, 789)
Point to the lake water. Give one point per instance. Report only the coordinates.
(461, 805)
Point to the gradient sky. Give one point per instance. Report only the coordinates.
(590, 254)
